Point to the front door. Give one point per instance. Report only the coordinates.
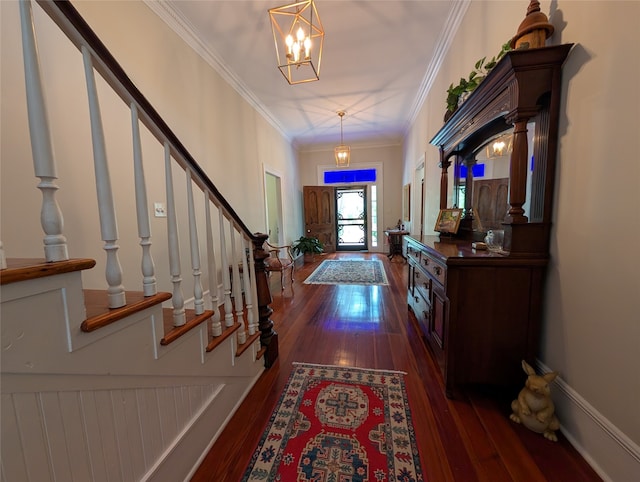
(351, 222)
(320, 215)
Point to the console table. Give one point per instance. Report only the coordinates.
(478, 311)
(395, 241)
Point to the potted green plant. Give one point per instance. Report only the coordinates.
(309, 246)
(468, 85)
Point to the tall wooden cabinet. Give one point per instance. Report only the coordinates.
(480, 311)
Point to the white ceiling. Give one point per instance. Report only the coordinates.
(377, 63)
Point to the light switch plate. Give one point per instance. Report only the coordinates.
(159, 210)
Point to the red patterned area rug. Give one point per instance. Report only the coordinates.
(339, 424)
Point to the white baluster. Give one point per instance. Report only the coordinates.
(55, 244)
(248, 280)
(198, 297)
(179, 317)
(226, 283)
(142, 209)
(237, 289)
(106, 208)
(216, 326)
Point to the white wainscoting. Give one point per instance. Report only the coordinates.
(110, 406)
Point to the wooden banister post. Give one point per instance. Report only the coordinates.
(268, 336)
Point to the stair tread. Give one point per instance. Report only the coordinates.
(23, 269)
(99, 314)
(227, 331)
(250, 339)
(172, 333)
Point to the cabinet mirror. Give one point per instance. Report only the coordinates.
(521, 95)
(481, 181)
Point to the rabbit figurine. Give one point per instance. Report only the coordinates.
(534, 407)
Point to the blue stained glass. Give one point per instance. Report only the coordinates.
(342, 177)
(477, 170)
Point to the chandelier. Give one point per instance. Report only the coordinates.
(342, 152)
(501, 146)
(298, 36)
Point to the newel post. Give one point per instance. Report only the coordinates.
(268, 336)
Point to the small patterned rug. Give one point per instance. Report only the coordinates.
(338, 424)
(353, 272)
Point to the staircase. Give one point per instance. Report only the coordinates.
(102, 382)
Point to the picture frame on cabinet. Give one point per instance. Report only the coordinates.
(448, 221)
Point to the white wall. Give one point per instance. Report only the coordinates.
(591, 324)
(222, 131)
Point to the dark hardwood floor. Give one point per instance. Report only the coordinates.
(459, 440)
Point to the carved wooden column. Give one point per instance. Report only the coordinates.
(268, 336)
(444, 179)
(518, 173)
(468, 187)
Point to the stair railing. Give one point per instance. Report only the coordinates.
(237, 248)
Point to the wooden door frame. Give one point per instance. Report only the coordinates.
(279, 180)
(418, 194)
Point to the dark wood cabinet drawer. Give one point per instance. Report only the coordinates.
(436, 270)
(438, 317)
(420, 309)
(422, 283)
(427, 299)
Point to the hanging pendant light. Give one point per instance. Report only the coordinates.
(342, 152)
(501, 146)
(298, 36)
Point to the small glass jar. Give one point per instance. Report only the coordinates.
(494, 239)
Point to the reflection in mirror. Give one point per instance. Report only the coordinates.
(487, 173)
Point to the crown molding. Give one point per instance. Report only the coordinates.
(184, 29)
(355, 146)
(456, 14)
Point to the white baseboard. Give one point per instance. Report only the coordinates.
(609, 451)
